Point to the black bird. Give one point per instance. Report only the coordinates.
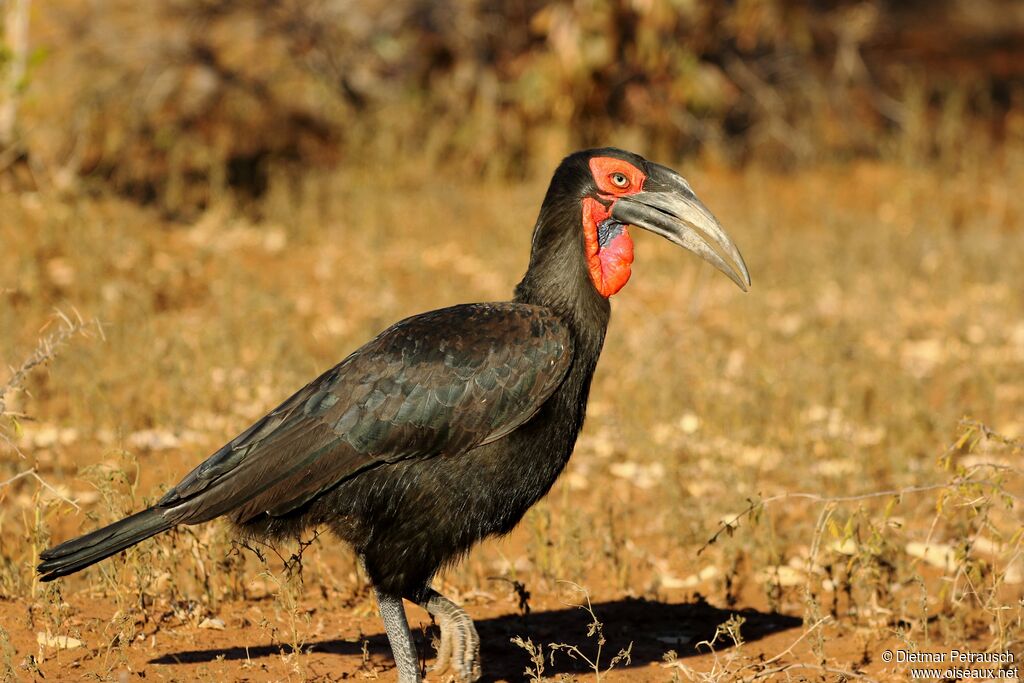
(449, 425)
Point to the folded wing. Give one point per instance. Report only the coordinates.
(433, 385)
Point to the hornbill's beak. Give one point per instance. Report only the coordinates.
(668, 207)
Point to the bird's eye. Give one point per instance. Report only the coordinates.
(619, 180)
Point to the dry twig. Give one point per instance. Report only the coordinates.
(45, 351)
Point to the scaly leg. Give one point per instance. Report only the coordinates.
(402, 647)
(460, 644)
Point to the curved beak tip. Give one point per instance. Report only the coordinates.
(744, 275)
(740, 276)
(734, 267)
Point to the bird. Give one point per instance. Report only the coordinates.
(449, 425)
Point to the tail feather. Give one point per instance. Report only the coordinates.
(79, 553)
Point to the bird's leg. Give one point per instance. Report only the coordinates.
(460, 644)
(392, 612)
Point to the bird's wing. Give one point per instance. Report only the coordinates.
(439, 383)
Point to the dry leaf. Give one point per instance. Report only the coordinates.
(58, 642)
(935, 554)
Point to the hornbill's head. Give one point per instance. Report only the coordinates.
(605, 191)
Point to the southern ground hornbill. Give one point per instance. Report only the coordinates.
(448, 426)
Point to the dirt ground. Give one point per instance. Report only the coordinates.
(346, 643)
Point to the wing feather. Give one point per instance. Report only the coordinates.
(436, 384)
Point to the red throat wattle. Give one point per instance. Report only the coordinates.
(609, 265)
(609, 253)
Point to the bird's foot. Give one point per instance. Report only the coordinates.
(459, 650)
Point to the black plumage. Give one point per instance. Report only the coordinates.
(442, 430)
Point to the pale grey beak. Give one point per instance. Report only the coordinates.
(669, 208)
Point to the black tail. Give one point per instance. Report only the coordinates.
(79, 553)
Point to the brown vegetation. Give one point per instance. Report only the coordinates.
(174, 102)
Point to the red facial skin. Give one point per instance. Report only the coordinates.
(609, 266)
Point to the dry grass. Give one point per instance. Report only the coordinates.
(887, 305)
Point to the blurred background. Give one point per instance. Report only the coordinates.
(203, 205)
(178, 102)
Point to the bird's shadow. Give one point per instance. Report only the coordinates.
(653, 628)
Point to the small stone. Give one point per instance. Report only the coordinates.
(215, 624)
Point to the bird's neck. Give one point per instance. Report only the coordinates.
(557, 278)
